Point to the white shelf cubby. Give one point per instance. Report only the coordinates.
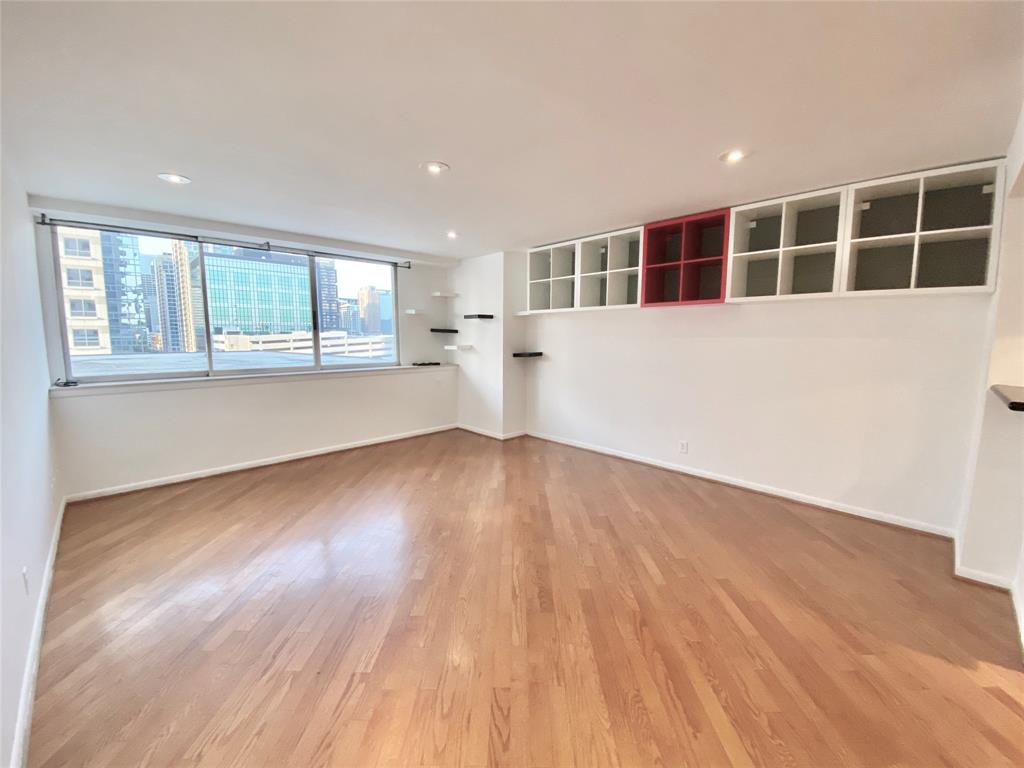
(933, 231)
(786, 248)
(595, 272)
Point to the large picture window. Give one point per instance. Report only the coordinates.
(153, 307)
(356, 304)
(260, 309)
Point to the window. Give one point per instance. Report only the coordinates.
(83, 308)
(260, 310)
(152, 300)
(85, 337)
(142, 310)
(356, 307)
(79, 278)
(77, 247)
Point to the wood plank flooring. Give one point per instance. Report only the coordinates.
(451, 600)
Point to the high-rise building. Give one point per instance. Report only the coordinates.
(124, 269)
(369, 309)
(327, 290)
(387, 312)
(85, 300)
(257, 292)
(348, 312)
(180, 320)
(198, 302)
(168, 305)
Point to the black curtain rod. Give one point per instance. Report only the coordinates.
(46, 221)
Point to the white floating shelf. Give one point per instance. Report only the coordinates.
(412, 311)
(458, 347)
(444, 294)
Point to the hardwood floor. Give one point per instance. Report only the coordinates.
(451, 600)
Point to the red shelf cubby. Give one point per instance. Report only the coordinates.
(684, 259)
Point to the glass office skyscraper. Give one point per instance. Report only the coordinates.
(257, 292)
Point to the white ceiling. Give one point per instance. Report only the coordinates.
(557, 120)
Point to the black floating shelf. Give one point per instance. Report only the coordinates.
(425, 363)
(1012, 396)
(443, 330)
(527, 354)
(478, 317)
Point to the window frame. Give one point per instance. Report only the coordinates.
(91, 315)
(79, 283)
(76, 345)
(316, 323)
(77, 254)
(211, 373)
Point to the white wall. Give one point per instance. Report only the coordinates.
(492, 397)
(415, 287)
(990, 543)
(133, 436)
(478, 282)
(859, 404)
(515, 372)
(29, 505)
(992, 527)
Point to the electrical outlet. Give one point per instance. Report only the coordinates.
(24, 577)
(684, 447)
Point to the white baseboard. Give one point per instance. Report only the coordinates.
(984, 577)
(23, 724)
(488, 433)
(870, 514)
(169, 479)
(1018, 609)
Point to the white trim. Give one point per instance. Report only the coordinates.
(983, 577)
(803, 498)
(202, 382)
(1018, 609)
(973, 574)
(170, 479)
(23, 723)
(488, 433)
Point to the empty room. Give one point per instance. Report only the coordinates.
(523, 384)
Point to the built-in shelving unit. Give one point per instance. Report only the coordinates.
(932, 231)
(590, 273)
(787, 248)
(684, 260)
(926, 232)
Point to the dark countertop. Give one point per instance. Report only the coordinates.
(1011, 395)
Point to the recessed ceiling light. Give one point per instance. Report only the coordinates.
(733, 156)
(434, 167)
(452, 234)
(174, 178)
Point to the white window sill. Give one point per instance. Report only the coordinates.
(226, 380)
